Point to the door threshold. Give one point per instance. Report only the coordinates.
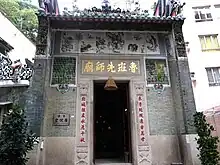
(113, 163)
(110, 162)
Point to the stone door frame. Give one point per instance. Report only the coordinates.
(141, 153)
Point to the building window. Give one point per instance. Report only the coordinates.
(156, 71)
(217, 11)
(209, 42)
(202, 14)
(213, 75)
(64, 71)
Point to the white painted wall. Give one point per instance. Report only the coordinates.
(205, 96)
(23, 47)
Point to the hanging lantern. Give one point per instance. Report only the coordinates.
(110, 84)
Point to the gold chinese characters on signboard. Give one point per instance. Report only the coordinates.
(113, 66)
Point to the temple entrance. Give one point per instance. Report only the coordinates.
(112, 133)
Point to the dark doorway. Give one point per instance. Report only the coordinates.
(112, 136)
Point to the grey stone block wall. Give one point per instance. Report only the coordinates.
(60, 103)
(27, 98)
(176, 95)
(35, 97)
(161, 114)
(15, 95)
(187, 95)
(56, 103)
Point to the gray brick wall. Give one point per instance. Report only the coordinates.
(177, 101)
(60, 103)
(35, 96)
(161, 114)
(16, 95)
(187, 95)
(56, 102)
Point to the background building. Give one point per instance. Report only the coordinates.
(14, 74)
(201, 31)
(23, 47)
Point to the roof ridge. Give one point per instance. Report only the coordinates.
(100, 15)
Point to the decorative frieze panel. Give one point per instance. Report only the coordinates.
(109, 42)
(82, 156)
(113, 66)
(144, 155)
(64, 70)
(157, 71)
(142, 43)
(168, 46)
(69, 42)
(41, 44)
(14, 71)
(179, 40)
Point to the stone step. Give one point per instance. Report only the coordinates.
(110, 162)
(113, 163)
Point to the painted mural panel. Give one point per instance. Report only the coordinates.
(69, 42)
(152, 44)
(87, 42)
(135, 43)
(109, 43)
(157, 71)
(116, 42)
(101, 43)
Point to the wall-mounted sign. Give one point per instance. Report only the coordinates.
(61, 119)
(110, 66)
(141, 119)
(83, 120)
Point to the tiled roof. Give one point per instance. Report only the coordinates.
(113, 15)
(7, 45)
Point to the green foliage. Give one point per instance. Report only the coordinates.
(207, 144)
(22, 15)
(15, 141)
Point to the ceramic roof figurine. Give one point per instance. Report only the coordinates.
(106, 13)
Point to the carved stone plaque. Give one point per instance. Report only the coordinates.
(61, 119)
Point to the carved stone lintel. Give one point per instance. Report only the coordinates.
(179, 39)
(14, 71)
(82, 157)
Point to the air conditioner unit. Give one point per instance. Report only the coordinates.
(192, 76)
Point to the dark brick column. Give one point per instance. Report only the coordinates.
(184, 80)
(35, 97)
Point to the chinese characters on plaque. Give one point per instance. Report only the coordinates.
(83, 120)
(61, 119)
(141, 118)
(113, 66)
